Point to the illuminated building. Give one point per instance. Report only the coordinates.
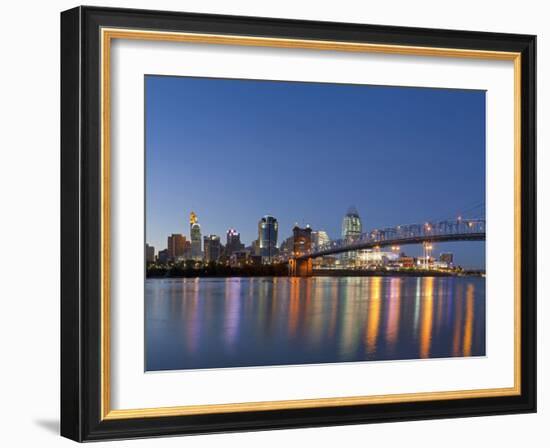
(149, 254)
(176, 246)
(239, 258)
(319, 238)
(212, 248)
(326, 262)
(195, 232)
(351, 225)
(287, 247)
(351, 231)
(406, 262)
(374, 258)
(446, 258)
(255, 248)
(233, 242)
(268, 228)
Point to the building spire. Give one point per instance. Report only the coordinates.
(352, 211)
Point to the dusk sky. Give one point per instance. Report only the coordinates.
(236, 150)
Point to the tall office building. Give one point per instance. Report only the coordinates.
(149, 254)
(195, 232)
(351, 231)
(319, 238)
(351, 225)
(212, 248)
(193, 218)
(287, 246)
(233, 242)
(176, 246)
(163, 256)
(268, 229)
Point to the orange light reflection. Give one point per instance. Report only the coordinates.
(427, 318)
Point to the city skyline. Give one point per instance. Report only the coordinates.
(277, 160)
(351, 232)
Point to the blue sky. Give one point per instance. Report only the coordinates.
(235, 150)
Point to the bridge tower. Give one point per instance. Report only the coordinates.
(301, 267)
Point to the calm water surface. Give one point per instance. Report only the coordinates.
(235, 322)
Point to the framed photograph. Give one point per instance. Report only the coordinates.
(273, 223)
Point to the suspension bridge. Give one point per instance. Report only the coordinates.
(300, 260)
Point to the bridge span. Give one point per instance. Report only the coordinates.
(429, 232)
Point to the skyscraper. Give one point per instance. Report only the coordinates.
(351, 231)
(287, 246)
(195, 232)
(319, 238)
(233, 242)
(212, 248)
(351, 225)
(149, 254)
(176, 246)
(268, 228)
(163, 256)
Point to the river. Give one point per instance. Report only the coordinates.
(237, 322)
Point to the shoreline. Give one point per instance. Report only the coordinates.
(415, 273)
(334, 273)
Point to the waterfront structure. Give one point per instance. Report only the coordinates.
(149, 254)
(233, 242)
(243, 258)
(327, 262)
(239, 258)
(406, 262)
(446, 257)
(319, 238)
(195, 232)
(426, 234)
(212, 248)
(369, 258)
(177, 245)
(268, 229)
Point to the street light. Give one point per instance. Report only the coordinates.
(427, 253)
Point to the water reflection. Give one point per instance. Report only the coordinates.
(209, 323)
(427, 317)
(392, 327)
(373, 314)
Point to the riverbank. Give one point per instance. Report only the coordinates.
(280, 271)
(394, 273)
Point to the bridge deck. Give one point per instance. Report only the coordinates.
(371, 244)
